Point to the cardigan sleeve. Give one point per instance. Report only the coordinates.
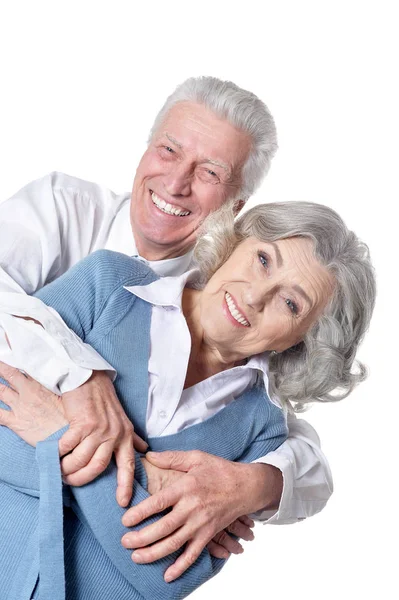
(95, 505)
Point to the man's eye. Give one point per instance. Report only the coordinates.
(292, 306)
(263, 260)
(207, 175)
(168, 149)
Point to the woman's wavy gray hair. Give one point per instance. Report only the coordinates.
(322, 367)
(243, 110)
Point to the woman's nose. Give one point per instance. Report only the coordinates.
(258, 295)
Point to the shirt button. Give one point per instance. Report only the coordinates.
(162, 414)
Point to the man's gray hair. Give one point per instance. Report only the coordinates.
(240, 108)
(322, 367)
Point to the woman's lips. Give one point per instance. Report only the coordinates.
(235, 311)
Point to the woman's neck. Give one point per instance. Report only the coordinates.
(205, 360)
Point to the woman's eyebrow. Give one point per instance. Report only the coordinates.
(304, 295)
(279, 258)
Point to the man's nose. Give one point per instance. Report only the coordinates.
(178, 181)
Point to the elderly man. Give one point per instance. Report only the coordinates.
(211, 144)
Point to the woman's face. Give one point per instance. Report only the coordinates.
(266, 296)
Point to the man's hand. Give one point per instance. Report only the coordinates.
(98, 428)
(213, 494)
(35, 412)
(222, 544)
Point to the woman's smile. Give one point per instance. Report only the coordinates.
(234, 312)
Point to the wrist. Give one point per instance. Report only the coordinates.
(264, 487)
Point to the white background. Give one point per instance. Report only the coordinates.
(80, 85)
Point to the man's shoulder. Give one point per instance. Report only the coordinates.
(63, 181)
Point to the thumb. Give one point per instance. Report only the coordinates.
(7, 418)
(68, 442)
(177, 460)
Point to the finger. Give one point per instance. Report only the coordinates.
(7, 418)
(13, 376)
(7, 394)
(229, 543)
(80, 456)
(174, 459)
(241, 530)
(124, 457)
(150, 534)
(139, 444)
(69, 441)
(94, 468)
(161, 549)
(217, 550)
(151, 506)
(247, 521)
(185, 560)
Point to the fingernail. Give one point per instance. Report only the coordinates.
(137, 557)
(168, 577)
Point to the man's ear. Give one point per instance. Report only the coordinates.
(238, 205)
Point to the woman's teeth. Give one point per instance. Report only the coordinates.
(168, 208)
(234, 312)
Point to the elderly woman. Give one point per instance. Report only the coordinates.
(272, 319)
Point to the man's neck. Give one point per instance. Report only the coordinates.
(153, 253)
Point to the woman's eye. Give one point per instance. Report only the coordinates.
(263, 260)
(292, 306)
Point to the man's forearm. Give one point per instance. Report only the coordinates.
(306, 476)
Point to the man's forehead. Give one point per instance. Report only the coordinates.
(193, 127)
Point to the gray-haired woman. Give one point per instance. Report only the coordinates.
(271, 321)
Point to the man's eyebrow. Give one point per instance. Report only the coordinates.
(303, 294)
(171, 139)
(217, 164)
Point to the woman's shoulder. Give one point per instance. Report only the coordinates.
(114, 269)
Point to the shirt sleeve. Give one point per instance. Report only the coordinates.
(307, 479)
(47, 227)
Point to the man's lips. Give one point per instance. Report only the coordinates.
(167, 207)
(235, 311)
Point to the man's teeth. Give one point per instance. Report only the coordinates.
(168, 208)
(234, 312)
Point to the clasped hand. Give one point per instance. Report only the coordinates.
(198, 486)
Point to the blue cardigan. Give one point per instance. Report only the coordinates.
(36, 509)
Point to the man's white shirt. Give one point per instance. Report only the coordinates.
(50, 225)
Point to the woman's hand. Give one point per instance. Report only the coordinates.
(35, 412)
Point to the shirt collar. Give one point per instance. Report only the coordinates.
(166, 291)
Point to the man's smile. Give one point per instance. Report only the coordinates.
(166, 207)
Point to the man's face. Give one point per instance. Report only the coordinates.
(191, 167)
